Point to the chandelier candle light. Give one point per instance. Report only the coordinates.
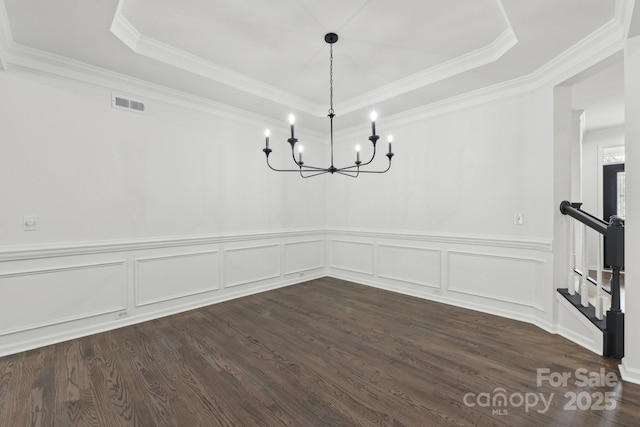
(307, 171)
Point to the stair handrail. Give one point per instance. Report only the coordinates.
(614, 232)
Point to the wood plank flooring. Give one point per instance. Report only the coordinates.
(323, 353)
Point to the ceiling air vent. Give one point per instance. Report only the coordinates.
(121, 102)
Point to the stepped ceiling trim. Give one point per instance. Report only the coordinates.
(459, 65)
(170, 55)
(595, 46)
(144, 45)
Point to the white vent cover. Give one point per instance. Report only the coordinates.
(124, 103)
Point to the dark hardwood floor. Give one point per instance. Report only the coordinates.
(322, 353)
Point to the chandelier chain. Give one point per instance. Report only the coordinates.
(331, 111)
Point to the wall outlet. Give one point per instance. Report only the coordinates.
(437, 292)
(518, 218)
(30, 222)
(122, 314)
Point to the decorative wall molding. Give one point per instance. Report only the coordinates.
(252, 264)
(27, 288)
(19, 342)
(524, 294)
(196, 277)
(303, 249)
(520, 313)
(477, 285)
(536, 244)
(362, 259)
(268, 249)
(405, 268)
(97, 247)
(37, 271)
(150, 279)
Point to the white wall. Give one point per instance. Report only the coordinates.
(440, 224)
(126, 200)
(139, 215)
(91, 172)
(631, 363)
(465, 172)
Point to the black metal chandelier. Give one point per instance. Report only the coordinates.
(352, 171)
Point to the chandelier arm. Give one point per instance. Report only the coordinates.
(372, 157)
(361, 164)
(349, 174)
(313, 174)
(314, 168)
(348, 168)
(293, 156)
(388, 167)
(280, 170)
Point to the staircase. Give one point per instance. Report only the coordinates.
(589, 296)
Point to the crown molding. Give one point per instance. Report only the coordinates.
(26, 59)
(477, 58)
(599, 45)
(124, 30)
(151, 48)
(604, 42)
(17, 57)
(624, 13)
(596, 47)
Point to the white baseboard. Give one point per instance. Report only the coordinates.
(57, 293)
(428, 294)
(74, 331)
(629, 374)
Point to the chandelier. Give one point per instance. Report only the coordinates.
(307, 171)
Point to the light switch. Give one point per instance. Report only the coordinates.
(30, 222)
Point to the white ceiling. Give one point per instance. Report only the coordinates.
(270, 58)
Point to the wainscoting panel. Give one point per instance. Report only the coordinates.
(351, 256)
(410, 264)
(303, 256)
(43, 297)
(168, 277)
(252, 264)
(57, 293)
(509, 279)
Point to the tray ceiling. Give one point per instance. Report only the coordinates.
(270, 58)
